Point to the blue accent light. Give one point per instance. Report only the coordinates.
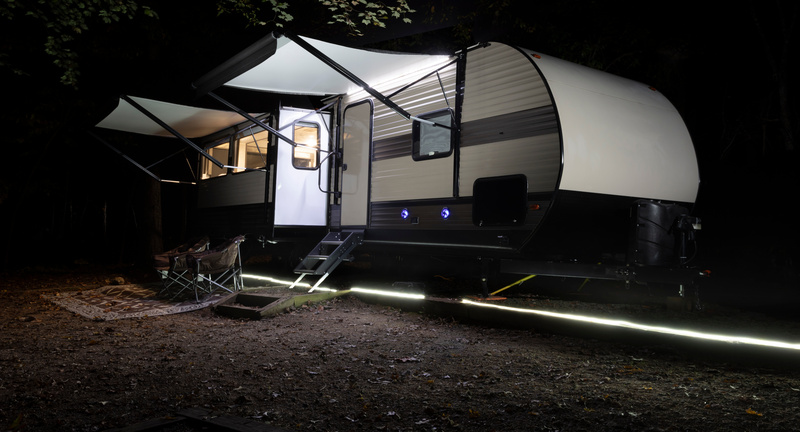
(404, 213)
(445, 213)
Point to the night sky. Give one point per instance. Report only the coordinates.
(731, 74)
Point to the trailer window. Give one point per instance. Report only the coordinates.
(306, 153)
(220, 153)
(433, 139)
(251, 151)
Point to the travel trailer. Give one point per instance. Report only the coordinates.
(506, 159)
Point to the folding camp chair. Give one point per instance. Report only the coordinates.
(217, 268)
(171, 266)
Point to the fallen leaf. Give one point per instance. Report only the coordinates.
(754, 412)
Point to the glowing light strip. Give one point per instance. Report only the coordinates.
(581, 318)
(389, 293)
(655, 329)
(287, 283)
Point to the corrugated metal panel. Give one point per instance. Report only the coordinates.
(396, 146)
(538, 158)
(423, 97)
(395, 176)
(509, 127)
(508, 122)
(403, 178)
(501, 80)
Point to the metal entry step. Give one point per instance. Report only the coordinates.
(331, 251)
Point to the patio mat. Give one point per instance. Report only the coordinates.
(124, 301)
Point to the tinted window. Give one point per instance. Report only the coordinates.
(434, 139)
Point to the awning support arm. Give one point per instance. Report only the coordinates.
(316, 111)
(428, 75)
(136, 164)
(253, 119)
(260, 123)
(356, 80)
(459, 54)
(164, 158)
(255, 141)
(349, 75)
(444, 95)
(172, 131)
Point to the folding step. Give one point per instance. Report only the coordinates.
(250, 306)
(334, 248)
(266, 302)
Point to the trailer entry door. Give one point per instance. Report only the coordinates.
(356, 149)
(301, 175)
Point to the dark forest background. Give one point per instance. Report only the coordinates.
(65, 199)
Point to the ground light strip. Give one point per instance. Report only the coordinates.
(389, 293)
(572, 317)
(283, 282)
(655, 329)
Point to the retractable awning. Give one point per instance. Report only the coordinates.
(189, 121)
(276, 63)
(164, 119)
(283, 64)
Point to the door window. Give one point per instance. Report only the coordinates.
(306, 153)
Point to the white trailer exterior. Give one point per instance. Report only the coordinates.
(496, 151)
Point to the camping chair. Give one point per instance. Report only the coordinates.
(216, 267)
(176, 276)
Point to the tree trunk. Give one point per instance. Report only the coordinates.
(151, 236)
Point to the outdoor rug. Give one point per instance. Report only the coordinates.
(125, 301)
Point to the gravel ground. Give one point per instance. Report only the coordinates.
(350, 365)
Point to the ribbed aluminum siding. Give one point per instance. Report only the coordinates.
(508, 121)
(501, 80)
(395, 176)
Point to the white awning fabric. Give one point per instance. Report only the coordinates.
(189, 121)
(292, 69)
(289, 69)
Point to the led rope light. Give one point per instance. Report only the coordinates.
(389, 293)
(655, 329)
(283, 282)
(580, 318)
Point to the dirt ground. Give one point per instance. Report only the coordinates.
(351, 365)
